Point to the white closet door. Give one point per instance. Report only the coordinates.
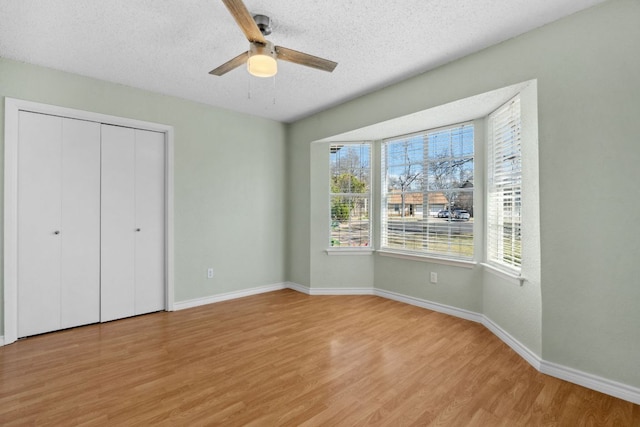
(117, 291)
(80, 230)
(149, 218)
(58, 225)
(39, 213)
(133, 165)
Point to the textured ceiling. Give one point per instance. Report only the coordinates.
(170, 46)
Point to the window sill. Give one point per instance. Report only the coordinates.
(427, 258)
(503, 274)
(349, 251)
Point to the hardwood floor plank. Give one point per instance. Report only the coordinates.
(285, 358)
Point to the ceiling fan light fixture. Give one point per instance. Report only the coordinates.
(262, 60)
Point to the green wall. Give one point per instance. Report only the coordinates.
(230, 176)
(583, 311)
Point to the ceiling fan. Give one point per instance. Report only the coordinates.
(262, 54)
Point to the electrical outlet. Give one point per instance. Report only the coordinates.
(210, 273)
(434, 277)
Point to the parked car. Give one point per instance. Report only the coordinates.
(461, 214)
(443, 213)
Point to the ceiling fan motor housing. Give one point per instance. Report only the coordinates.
(264, 24)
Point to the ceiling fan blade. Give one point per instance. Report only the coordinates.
(230, 65)
(305, 59)
(245, 21)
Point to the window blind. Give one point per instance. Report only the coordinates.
(504, 186)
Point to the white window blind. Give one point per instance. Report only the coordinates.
(427, 194)
(350, 194)
(504, 187)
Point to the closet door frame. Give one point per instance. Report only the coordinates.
(11, 139)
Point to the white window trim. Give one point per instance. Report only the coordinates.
(512, 276)
(349, 251)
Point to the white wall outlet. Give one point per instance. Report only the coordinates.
(210, 273)
(434, 277)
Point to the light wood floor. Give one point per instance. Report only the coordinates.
(285, 358)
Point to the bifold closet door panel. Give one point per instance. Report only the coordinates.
(80, 229)
(39, 213)
(58, 223)
(117, 291)
(150, 222)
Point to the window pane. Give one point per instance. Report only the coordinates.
(349, 221)
(406, 151)
(405, 233)
(439, 146)
(450, 173)
(352, 164)
(405, 178)
(450, 228)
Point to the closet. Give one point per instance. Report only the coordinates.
(91, 204)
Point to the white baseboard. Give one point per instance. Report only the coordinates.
(300, 288)
(341, 291)
(182, 305)
(329, 291)
(594, 382)
(430, 305)
(524, 351)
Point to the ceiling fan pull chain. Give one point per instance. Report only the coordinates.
(274, 90)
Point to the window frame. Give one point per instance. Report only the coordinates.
(353, 250)
(422, 254)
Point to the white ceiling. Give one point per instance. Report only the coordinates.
(170, 46)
